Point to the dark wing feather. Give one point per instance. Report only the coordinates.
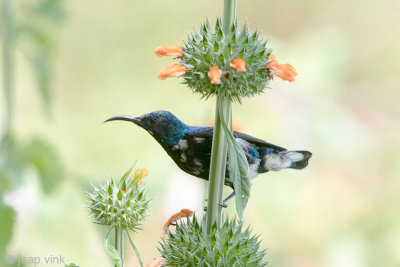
(208, 131)
(202, 149)
(199, 150)
(255, 141)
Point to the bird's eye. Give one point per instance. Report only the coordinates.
(152, 120)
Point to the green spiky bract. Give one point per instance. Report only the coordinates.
(191, 245)
(212, 47)
(120, 205)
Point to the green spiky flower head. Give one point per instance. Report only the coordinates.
(192, 245)
(212, 47)
(120, 204)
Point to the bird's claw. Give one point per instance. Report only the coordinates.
(223, 205)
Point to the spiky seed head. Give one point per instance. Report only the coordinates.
(211, 47)
(120, 204)
(191, 245)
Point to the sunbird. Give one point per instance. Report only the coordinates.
(190, 147)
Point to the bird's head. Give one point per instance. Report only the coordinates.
(164, 126)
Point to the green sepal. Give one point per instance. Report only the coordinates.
(126, 174)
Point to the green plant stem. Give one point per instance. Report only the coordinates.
(229, 15)
(217, 165)
(219, 143)
(8, 61)
(119, 244)
(135, 249)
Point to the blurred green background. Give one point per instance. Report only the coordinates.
(343, 210)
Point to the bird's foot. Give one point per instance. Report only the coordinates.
(205, 207)
(223, 205)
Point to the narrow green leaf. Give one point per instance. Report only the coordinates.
(135, 249)
(138, 177)
(123, 178)
(112, 253)
(238, 167)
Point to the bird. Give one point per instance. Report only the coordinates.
(190, 147)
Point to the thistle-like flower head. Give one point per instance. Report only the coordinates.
(120, 204)
(235, 65)
(240, 56)
(192, 245)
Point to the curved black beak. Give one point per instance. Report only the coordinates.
(135, 120)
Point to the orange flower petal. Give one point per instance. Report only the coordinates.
(175, 70)
(145, 173)
(284, 71)
(236, 126)
(167, 50)
(179, 215)
(157, 262)
(215, 75)
(238, 64)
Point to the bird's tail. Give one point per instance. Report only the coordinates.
(287, 159)
(300, 162)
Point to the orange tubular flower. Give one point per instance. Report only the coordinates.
(236, 126)
(145, 173)
(284, 71)
(175, 70)
(238, 64)
(179, 215)
(157, 262)
(215, 75)
(167, 50)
